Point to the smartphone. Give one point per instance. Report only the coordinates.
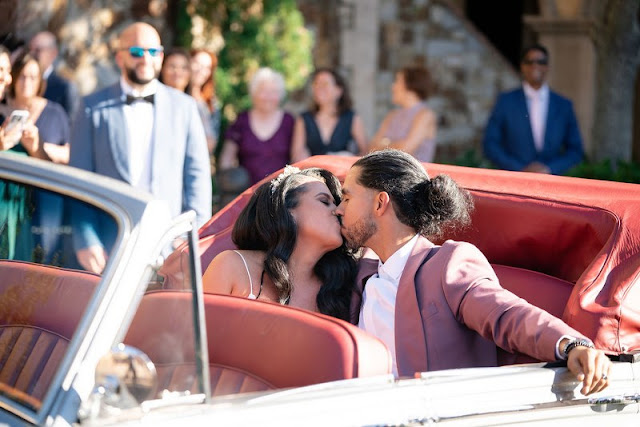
(18, 118)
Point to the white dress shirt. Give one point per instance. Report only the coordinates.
(379, 299)
(47, 73)
(139, 118)
(538, 106)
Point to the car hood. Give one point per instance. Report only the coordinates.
(479, 396)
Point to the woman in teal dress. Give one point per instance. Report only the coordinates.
(12, 196)
(44, 136)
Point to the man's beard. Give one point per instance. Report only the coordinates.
(133, 76)
(357, 235)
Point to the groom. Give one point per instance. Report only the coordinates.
(441, 307)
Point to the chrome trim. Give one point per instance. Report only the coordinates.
(18, 410)
(200, 324)
(624, 399)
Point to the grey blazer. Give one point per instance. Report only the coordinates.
(180, 170)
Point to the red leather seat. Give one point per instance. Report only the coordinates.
(209, 246)
(40, 309)
(549, 293)
(253, 345)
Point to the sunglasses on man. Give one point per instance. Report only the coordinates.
(138, 52)
(542, 61)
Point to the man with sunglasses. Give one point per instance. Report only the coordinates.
(141, 132)
(532, 128)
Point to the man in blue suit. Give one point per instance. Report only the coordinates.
(531, 128)
(141, 132)
(44, 47)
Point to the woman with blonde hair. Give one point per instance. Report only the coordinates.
(260, 138)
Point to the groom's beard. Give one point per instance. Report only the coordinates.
(359, 233)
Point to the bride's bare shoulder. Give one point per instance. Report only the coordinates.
(227, 272)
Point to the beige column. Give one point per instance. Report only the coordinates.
(359, 56)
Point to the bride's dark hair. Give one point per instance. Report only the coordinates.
(266, 224)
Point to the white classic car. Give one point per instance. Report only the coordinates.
(145, 344)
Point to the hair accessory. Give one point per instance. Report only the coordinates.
(288, 170)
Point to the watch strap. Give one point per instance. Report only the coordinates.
(575, 342)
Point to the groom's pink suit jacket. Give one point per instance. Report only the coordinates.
(451, 312)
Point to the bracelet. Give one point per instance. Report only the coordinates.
(576, 342)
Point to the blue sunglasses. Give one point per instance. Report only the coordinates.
(138, 52)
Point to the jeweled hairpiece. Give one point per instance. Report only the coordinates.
(288, 170)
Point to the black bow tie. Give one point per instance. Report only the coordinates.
(131, 99)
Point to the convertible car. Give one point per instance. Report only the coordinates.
(144, 343)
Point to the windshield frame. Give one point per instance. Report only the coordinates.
(126, 212)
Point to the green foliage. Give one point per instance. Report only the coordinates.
(471, 158)
(256, 33)
(608, 170)
(183, 25)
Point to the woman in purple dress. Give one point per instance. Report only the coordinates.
(260, 139)
(412, 127)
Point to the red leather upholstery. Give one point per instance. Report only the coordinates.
(552, 237)
(579, 231)
(175, 267)
(549, 293)
(600, 250)
(253, 345)
(40, 308)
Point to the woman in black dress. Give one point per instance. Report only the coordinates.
(331, 126)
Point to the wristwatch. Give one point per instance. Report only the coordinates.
(573, 343)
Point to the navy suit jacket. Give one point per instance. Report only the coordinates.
(62, 91)
(180, 170)
(508, 140)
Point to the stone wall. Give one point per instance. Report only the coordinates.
(87, 30)
(376, 37)
(467, 71)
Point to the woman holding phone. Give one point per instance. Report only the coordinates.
(9, 134)
(12, 196)
(37, 127)
(45, 133)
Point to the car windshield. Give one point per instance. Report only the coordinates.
(43, 290)
(163, 328)
(48, 300)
